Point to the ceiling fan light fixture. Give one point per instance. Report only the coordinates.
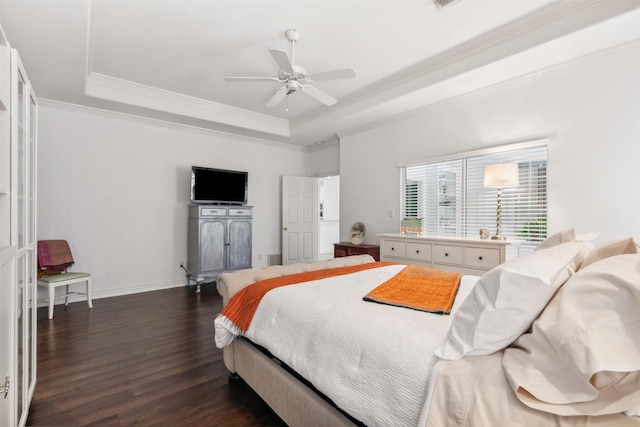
(292, 86)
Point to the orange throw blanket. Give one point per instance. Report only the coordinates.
(244, 304)
(419, 288)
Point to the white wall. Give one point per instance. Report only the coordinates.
(590, 109)
(325, 159)
(117, 188)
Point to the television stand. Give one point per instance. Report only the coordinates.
(219, 240)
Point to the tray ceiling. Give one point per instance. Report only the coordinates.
(167, 59)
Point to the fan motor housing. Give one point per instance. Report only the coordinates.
(292, 35)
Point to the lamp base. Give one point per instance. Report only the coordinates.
(498, 238)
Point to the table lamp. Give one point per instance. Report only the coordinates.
(498, 176)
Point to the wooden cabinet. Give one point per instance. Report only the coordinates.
(219, 240)
(468, 256)
(347, 249)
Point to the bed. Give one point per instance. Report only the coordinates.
(551, 338)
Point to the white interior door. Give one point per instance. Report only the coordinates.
(299, 219)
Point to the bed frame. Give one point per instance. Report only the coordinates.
(296, 403)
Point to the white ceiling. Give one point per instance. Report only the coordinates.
(168, 58)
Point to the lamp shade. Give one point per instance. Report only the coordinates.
(501, 175)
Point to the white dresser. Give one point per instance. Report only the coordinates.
(468, 256)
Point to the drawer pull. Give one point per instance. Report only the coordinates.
(393, 249)
(417, 251)
(446, 254)
(480, 258)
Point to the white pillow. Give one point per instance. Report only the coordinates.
(609, 249)
(507, 299)
(557, 238)
(582, 356)
(569, 235)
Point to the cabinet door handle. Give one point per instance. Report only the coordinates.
(5, 387)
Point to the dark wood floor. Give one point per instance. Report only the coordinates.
(146, 359)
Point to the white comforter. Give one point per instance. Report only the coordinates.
(372, 360)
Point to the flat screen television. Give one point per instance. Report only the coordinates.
(218, 186)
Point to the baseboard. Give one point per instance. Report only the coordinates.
(115, 292)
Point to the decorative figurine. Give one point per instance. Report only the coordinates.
(358, 232)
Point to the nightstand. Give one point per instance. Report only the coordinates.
(347, 249)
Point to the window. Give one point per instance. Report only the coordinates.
(448, 194)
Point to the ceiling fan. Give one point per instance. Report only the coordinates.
(295, 78)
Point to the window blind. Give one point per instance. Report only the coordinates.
(449, 195)
(434, 192)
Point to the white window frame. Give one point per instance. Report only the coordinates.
(460, 205)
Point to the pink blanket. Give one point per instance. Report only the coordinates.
(54, 255)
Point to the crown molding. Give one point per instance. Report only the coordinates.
(131, 93)
(169, 124)
(328, 143)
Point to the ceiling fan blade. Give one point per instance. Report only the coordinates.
(346, 73)
(318, 95)
(277, 97)
(252, 79)
(283, 61)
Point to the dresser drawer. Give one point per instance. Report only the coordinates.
(483, 258)
(394, 249)
(447, 254)
(419, 251)
(239, 212)
(213, 211)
